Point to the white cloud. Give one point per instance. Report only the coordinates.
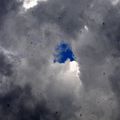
(86, 27)
(68, 76)
(115, 2)
(27, 4)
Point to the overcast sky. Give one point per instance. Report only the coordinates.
(37, 82)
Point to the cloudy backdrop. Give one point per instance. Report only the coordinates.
(35, 82)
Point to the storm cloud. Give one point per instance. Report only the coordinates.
(33, 87)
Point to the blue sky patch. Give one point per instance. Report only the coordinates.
(63, 52)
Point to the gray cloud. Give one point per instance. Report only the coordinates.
(19, 104)
(68, 15)
(7, 6)
(30, 38)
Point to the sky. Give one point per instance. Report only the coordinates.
(63, 52)
(59, 60)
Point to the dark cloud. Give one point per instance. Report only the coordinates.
(34, 34)
(6, 7)
(68, 15)
(97, 51)
(20, 104)
(111, 27)
(115, 83)
(6, 67)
